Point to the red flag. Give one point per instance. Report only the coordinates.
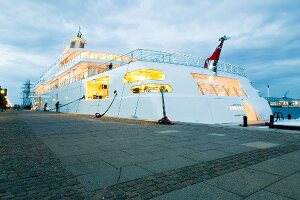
(216, 54)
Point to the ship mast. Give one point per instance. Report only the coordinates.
(77, 42)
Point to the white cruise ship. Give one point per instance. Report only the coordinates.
(194, 89)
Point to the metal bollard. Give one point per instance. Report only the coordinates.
(289, 117)
(245, 121)
(271, 125)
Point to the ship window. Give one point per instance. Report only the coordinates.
(144, 74)
(97, 88)
(151, 88)
(218, 86)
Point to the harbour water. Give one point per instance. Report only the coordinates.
(294, 111)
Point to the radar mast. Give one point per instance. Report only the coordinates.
(77, 42)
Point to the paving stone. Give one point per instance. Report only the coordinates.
(265, 195)
(130, 160)
(72, 160)
(198, 191)
(205, 147)
(288, 186)
(260, 144)
(207, 155)
(169, 131)
(236, 149)
(172, 152)
(294, 156)
(217, 134)
(132, 172)
(244, 181)
(144, 149)
(277, 166)
(228, 141)
(166, 164)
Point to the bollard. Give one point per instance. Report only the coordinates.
(245, 121)
(271, 125)
(289, 116)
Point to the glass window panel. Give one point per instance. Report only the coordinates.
(98, 88)
(144, 74)
(218, 86)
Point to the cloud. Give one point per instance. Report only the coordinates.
(265, 34)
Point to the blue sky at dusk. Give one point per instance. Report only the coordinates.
(265, 35)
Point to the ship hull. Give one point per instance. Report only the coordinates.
(184, 104)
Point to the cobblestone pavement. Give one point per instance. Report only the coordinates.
(59, 156)
(29, 170)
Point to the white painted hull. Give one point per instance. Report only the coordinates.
(184, 104)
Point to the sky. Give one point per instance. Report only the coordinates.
(264, 35)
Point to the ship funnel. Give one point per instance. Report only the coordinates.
(212, 62)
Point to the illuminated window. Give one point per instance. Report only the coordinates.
(218, 86)
(144, 74)
(151, 88)
(97, 88)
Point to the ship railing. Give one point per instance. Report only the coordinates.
(170, 58)
(151, 56)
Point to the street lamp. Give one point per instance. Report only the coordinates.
(3, 92)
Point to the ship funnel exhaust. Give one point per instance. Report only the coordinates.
(212, 62)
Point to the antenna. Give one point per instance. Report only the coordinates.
(79, 34)
(224, 38)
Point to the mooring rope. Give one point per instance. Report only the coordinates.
(69, 102)
(101, 115)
